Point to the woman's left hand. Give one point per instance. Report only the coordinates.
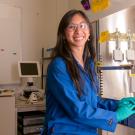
(127, 101)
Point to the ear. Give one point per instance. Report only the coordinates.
(89, 37)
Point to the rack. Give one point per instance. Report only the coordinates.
(46, 58)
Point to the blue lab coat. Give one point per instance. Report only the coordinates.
(69, 114)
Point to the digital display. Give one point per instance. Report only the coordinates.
(29, 68)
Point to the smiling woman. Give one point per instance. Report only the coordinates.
(73, 106)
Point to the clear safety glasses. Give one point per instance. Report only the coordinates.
(82, 26)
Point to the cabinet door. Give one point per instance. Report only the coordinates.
(10, 43)
(7, 115)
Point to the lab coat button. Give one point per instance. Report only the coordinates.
(110, 121)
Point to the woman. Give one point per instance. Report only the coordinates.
(73, 104)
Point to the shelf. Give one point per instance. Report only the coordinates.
(121, 67)
(47, 58)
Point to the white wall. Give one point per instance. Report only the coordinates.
(53, 11)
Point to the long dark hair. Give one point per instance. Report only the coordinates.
(63, 50)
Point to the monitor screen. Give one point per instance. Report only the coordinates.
(29, 69)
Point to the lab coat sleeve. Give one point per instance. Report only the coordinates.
(108, 104)
(61, 86)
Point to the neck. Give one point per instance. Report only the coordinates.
(78, 55)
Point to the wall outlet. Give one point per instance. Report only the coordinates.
(130, 55)
(118, 55)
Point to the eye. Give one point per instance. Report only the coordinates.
(72, 27)
(83, 26)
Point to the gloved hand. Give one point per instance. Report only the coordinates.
(125, 111)
(126, 101)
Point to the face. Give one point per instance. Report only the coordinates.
(77, 32)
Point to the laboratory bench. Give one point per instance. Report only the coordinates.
(22, 105)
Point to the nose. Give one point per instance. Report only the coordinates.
(77, 29)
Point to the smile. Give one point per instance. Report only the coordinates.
(78, 38)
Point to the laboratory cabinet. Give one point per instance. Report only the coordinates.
(30, 122)
(29, 117)
(116, 72)
(7, 115)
